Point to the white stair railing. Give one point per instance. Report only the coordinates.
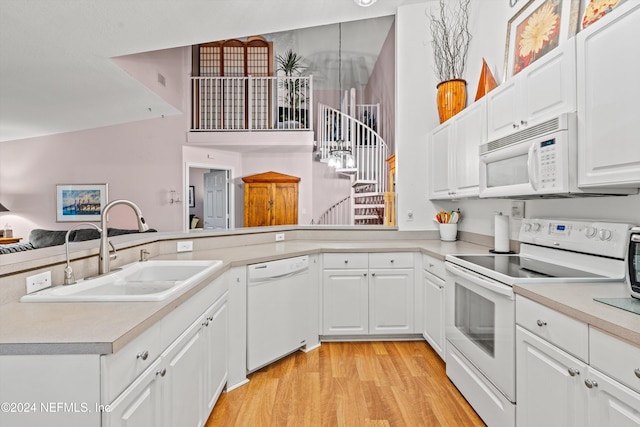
(251, 103)
(369, 150)
(340, 213)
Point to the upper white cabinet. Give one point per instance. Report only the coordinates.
(608, 94)
(543, 90)
(454, 153)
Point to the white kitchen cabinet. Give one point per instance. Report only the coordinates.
(610, 403)
(216, 354)
(549, 386)
(139, 404)
(608, 94)
(538, 93)
(556, 388)
(368, 294)
(454, 154)
(433, 283)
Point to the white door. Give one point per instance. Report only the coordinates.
(391, 301)
(216, 207)
(345, 302)
(434, 312)
(549, 384)
(610, 403)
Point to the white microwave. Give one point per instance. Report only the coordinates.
(540, 161)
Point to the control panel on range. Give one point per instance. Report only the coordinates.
(602, 238)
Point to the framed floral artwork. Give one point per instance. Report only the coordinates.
(592, 10)
(536, 29)
(80, 202)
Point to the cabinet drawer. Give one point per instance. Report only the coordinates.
(121, 368)
(434, 266)
(345, 260)
(391, 260)
(569, 334)
(615, 358)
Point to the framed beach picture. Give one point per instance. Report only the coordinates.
(80, 202)
(536, 29)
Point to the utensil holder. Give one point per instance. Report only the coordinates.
(448, 232)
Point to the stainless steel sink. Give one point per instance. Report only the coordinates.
(154, 280)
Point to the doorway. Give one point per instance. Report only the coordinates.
(209, 196)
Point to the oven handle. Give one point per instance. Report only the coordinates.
(476, 279)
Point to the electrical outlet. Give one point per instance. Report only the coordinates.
(38, 282)
(279, 237)
(186, 246)
(517, 209)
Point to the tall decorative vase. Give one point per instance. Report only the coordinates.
(452, 98)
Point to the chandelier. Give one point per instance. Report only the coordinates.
(364, 3)
(341, 157)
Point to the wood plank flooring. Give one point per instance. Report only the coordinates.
(394, 383)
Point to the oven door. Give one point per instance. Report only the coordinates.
(634, 264)
(480, 323)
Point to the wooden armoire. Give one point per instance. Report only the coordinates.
(270, 198)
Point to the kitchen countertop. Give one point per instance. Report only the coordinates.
(576, 300)
(102, 328)
(105, 327)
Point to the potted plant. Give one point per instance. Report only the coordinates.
(451, 38)
(291, 64)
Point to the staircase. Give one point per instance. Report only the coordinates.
(343, 133)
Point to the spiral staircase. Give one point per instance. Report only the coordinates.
(350, 143)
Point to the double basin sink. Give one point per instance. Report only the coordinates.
(154, 280)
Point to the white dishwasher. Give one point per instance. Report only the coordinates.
(277, 309)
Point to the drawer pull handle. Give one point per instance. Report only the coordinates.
(373, 274)
(591, 383)
(144, 355)
(210, 318)
(206, 323)
(364, 274)
(430, 265)
(541, 323)
(573, 372)
(637, 372)
(162, 372)
(346, 261)
(392, 261)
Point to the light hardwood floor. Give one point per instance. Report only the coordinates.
(349, 384)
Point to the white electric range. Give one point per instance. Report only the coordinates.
(480, 307)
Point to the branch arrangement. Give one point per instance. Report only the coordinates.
(451, 38)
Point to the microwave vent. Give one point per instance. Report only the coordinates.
(528, 133)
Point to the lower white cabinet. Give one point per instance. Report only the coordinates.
(368, 294)
(555, 388)
(182, 385)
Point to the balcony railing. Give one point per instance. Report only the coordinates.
(251, 103)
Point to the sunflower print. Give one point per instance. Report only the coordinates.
(536, 35)
(596, 10)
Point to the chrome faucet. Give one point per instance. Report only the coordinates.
(69, 278)
(103, 266)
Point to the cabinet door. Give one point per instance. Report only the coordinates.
(440, 146)
(608, 94)
(285, 204)
(610, 403)
(470, 132)
(139, 405)
(503, 113)
(434, 312)
(182, 382)
(391, 299)
(345, 302)
(548, 86)
(215, 354)
(257, 204)
(549, 384)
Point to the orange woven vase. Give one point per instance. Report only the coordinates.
(452, 98)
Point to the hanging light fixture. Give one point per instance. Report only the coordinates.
(341, 156)
(364, 3)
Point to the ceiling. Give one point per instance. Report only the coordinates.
(56, 72)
